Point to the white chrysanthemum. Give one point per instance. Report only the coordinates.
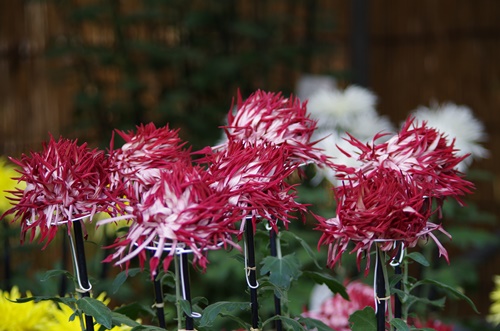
(341, 110)
(330, 146)
(456, 122)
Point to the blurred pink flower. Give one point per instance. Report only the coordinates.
(335, 311)
(179, 211)
(391, 195)
(254, 177)
(269, 118)
(433, 324)
(64, 182)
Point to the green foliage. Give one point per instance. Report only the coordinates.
(363, 320)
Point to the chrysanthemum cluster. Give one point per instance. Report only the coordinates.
(494, 313)
(392, 195)
(64, 182)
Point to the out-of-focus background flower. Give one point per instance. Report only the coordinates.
(83, 68)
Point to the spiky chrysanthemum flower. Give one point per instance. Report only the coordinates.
(458, 123)
(179, 211)
(138, 162)
(392, 195)
(254, 177)
(270, 118)
(64, 182)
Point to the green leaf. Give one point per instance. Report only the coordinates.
(69, 301)
(419, 258)
(185, 306)
(305, 245)
(134, 310)
(147, 328)
(55, 273)
(96, 309)
(399, 324)
(334, 285)
(122, 277)
(314, 324)
(211, 312)
(120, 319)
(363, 320)
(448, 289)
(281, 270)
(291, 323)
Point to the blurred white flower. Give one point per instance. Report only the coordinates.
(456, 122)
(341, 110)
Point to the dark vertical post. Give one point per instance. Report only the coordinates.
(359, 42)
(82, 268)
(380, 292)
(186, 288)
(252, 277)
(277, 302)
(159, 300)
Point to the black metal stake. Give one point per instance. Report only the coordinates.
(186, 288)
(82, 268)
(278, 325)
(159, 300)
(380, 292)
(252, 277)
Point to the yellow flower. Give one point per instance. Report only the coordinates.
(494, 316)
(28, 316)
(43, 315)
(61, 320)
(7, 171)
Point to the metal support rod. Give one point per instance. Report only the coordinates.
(251, 271)
(82, 268)
(186, 289)
(380, 293)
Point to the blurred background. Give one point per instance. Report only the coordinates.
(82, 68)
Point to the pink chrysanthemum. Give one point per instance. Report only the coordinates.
(335, 311)
(180, 210)
(255, 178)
(64, 182)
(393, 193)
(269, 118)
(138, 162)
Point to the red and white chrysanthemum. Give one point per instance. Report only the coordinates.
(270, 118)
(393, 192)
(335, 310)
(64, 182)
(179, 211)
(254, 177)
(138, 162)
